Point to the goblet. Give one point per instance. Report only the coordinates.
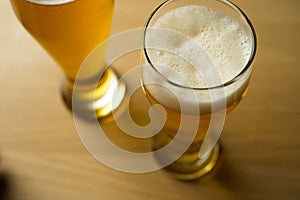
(69, 30)
(197, 57)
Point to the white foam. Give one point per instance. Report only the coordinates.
(223, 43)
(50, 2)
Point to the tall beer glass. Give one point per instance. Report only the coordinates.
(203, 47)
(69, 30)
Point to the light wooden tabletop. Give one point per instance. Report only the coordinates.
(43, 158)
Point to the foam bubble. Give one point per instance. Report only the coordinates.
(50, 2)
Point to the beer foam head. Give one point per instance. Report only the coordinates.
(223, 41)
(222, 38)
(50, 2)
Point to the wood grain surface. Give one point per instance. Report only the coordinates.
(42, 157)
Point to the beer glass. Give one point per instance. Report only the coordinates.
(69, 30)
(197, 54)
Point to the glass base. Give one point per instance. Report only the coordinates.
(191, 171)
(90, 100)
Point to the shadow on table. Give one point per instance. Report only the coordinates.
(228, 175)
(4, 186)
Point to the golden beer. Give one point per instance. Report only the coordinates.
(187, 166)
(173, 71)
(69, 30)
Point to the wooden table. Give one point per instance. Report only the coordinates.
(43, 158)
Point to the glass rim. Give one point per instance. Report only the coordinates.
(227, 83)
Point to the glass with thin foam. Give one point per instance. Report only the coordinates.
(69, 30)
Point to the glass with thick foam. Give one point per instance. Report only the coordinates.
(69, 30)
(197, 55)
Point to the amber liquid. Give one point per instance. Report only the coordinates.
(67, 31)
(70, 32)
(188, 165)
